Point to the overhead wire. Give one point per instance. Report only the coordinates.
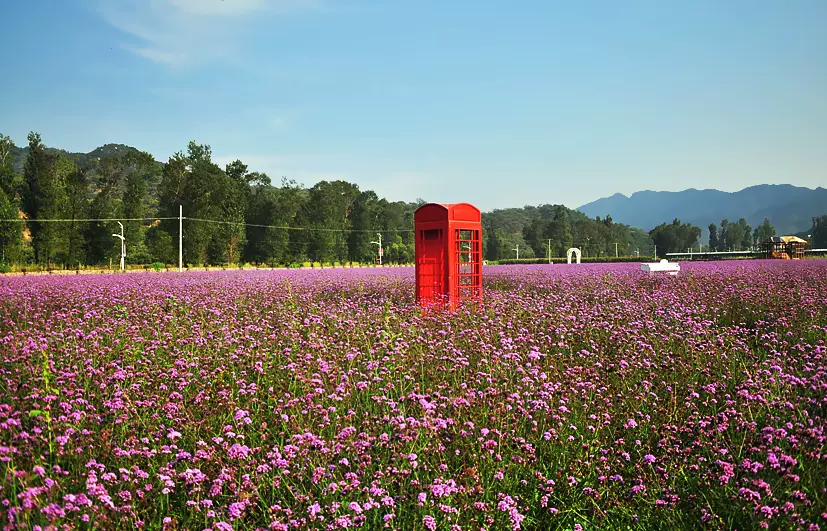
(222, 222)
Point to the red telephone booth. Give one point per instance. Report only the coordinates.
(448, 254)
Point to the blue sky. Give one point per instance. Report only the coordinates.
(497, 103)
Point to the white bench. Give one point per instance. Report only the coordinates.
(664, 266)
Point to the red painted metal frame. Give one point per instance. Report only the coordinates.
(448, 254)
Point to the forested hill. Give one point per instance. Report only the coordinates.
(83, 160)
(236, 214)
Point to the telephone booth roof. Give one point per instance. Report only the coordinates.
(447, 212)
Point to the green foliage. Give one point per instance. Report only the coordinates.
(10, 231)
(42, 197)
(674, 237)
(276, 207)
(737, 236)
(255, 221)
(818, 236)
(141, 169)
(7, 174)
(713, 237)
(764, 232)
(532, 227)
(105, 205)
(160, 245)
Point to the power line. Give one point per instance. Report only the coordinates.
(285, 227)
(221, 222)
(81, 220)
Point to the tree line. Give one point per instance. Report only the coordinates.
(738, 236)
(233, 215)
(555, 228)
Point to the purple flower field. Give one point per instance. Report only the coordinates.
(574, 397)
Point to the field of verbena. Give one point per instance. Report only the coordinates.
(588, 395)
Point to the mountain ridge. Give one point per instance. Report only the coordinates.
(789, 208)
(81, 159)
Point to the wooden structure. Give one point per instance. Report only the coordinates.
(448, 254)
(784, 248)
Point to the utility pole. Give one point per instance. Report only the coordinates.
(123, 244)
(656, 252)
(549, 251)
(616, 250)
(180, 238)
(379, 243)
(518, 251)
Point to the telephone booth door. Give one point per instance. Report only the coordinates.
(430, 265)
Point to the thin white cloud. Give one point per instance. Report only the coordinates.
(274, 118)
(158, 56)
(218, 7)
(277, 122)
(185, 32)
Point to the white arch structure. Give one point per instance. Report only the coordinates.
(576, 252)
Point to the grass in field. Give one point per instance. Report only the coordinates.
(591, 397)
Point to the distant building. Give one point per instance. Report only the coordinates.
(784, 248)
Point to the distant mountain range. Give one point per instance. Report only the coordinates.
(789, 208)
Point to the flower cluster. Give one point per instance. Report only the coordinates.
(572, 397)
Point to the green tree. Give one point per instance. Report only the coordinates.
(172, 193)
(205, 184)
(102, 247)
(42, 196)
(77, 208)
(764, 232)
(7, 176)
(818, 236)
(365, 224)
(160, 245)
(396, 219)
(271, 212)
(134, 203)
(495, 243)
(534, 236)
(234, 205)
(724, 238)
(674, 237)
(205, 192)
(9, 230)
(640, 243)
(559, 231)
(746, 235)
(713, 237)
(328, 213)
